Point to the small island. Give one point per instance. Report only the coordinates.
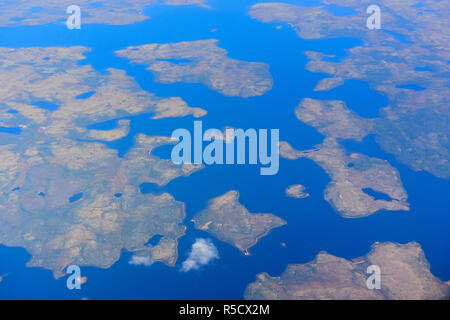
(297, 191)
(229, 221)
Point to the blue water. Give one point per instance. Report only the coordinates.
(426, 68)
(312, 224)
(76, 197)
(376, 194)
(10, 130)
(410, 87)
(85, 95)
(46, 105)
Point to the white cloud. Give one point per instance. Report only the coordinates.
(141, 261)
(202, 252)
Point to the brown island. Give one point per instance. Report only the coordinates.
(405, 275)
(229, 221)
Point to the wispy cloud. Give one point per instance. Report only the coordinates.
(141, 261)
(202, 252)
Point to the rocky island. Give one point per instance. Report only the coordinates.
(297, 191)
(350, 174)
(64, 195)
(405, 275)
(206, 63)
(229, 221)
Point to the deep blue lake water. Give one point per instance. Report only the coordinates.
(312, 224)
